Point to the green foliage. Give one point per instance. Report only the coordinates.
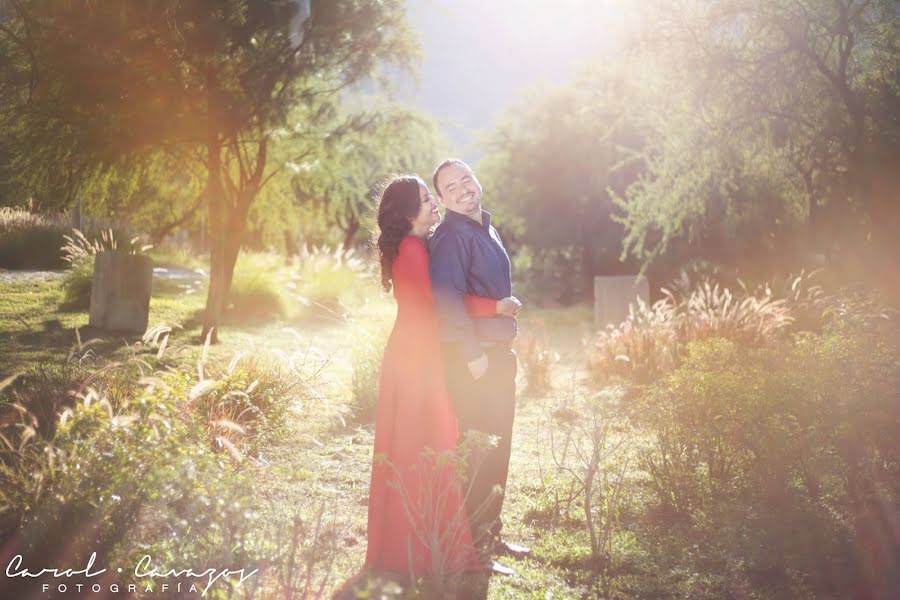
(257, 290)
(780, 453)
(654, 339)
(764, 118)
(241, 405)
(227, 78)
(134, 464)
(107, 468)
(328, 280)
(368, 351)
(77, 283)
(549, 170)
(594, 460)
(338, 188)
(30, 240)
(537, 360)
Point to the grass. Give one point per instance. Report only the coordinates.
(318, 472)
(320, 462)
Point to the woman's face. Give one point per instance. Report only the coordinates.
(428, 215)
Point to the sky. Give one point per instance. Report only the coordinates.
(480, 55)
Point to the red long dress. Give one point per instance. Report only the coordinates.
(417, 520)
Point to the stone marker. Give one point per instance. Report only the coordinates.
(120, 292)
(613, 294)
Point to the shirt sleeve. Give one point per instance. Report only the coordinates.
(480, 307)
(450, 260)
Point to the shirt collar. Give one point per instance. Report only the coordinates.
(456, 217)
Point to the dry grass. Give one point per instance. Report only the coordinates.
(653, 338)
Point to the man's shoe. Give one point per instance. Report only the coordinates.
(498, 569)
(504, 548)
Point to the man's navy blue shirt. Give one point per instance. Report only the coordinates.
(468, 258)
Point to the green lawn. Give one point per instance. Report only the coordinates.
(323, 463)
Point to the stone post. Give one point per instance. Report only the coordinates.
(613, 294)
(120, 293)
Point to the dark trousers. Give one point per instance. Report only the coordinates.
(488, 405)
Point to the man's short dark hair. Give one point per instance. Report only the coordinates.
(443, 165)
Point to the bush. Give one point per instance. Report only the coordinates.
(537, 361)
(76, 285)
(593, 463)
(367, 354)
(327, 279)
(31, 240)
(257, 289)
(169, 257)
(785, 455)
(127, 468)
(89, 483)
(653, 339)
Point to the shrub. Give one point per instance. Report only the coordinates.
(31, 240)
(77, 284)
(592, 464)
(170, 257)
(784, 455)
(327, 279)
(127, 468)
(366, 357)
(653, 339)
(242, 404)
(257, 291)
(90, 481)
(537, 361)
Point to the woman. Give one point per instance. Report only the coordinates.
(417, 524)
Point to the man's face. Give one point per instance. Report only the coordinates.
(459, 190)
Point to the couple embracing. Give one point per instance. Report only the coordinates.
(448, 373)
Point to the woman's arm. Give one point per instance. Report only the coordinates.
(480, 307)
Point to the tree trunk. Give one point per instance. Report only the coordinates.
(350, 232)
(237, 227)
(215, 299)
(228, 223)
(588, 262)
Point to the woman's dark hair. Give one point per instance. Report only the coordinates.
(397, 207)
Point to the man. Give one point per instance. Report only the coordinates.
(468, 257)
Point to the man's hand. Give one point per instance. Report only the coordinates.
(478, 367)
(509, 306)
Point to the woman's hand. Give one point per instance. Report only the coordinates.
(509, 306)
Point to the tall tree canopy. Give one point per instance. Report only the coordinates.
(551, 165)
(780, 121)
(208, 79)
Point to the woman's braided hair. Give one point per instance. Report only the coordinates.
(398, 206)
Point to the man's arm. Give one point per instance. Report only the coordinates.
(450, 260)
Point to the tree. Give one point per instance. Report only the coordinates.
(344, 180)
(778, 114)
(215, 79)
(551, 164)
